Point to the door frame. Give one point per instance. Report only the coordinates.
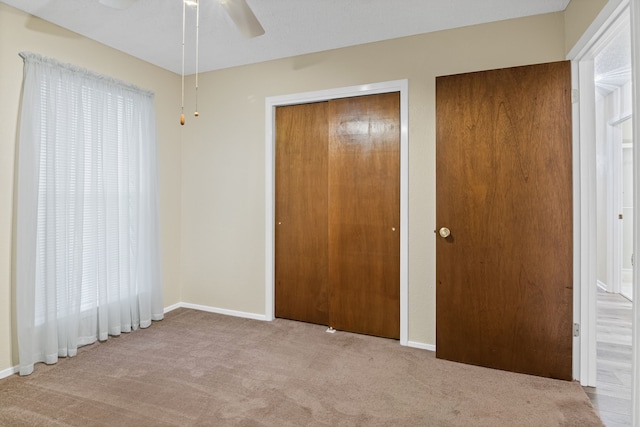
(585, 184)
(271, 103)
(585, 277)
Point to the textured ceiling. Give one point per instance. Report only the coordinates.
(152, 29)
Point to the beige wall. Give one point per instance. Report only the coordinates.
(578, 16)
(223, 152)
(21, 32)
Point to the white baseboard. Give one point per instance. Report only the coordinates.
(9, 371)
(254, 316)
(421, 345)
(224, 311)
(602, 286)
(172, 307)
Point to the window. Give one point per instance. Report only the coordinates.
(88, 263)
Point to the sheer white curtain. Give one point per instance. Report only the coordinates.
(88, 260)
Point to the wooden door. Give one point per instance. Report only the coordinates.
(301, 229)
(337, 245)
(503, 187)
(364, 214)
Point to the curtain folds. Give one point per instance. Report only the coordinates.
(88, 250)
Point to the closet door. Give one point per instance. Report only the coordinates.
(301, 253)
(364, 214)
(337, 237)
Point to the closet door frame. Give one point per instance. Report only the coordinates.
(401, 86)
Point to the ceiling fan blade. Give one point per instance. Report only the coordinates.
(117, 4)
(242, 15)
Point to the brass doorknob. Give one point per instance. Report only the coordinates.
(444, 232)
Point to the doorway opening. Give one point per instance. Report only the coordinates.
(614, 128)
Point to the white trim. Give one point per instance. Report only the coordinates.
(584, 178)
(9, 371)
(585, 224)
(401, 86)
(635, 71)
(172, 307)
(621, 119)
(224, 311)
(602, 286)
(600, 24)
(421, 345)
(577, 348)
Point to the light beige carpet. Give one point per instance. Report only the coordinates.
(202, 369)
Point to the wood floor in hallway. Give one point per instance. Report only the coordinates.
(612, 396)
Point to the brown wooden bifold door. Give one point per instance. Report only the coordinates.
(504, 285)
(337, 244)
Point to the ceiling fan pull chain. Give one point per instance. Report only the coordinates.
(196, 114)
(184, 11)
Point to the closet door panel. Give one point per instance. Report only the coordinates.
(301, 222)
(364, 214)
